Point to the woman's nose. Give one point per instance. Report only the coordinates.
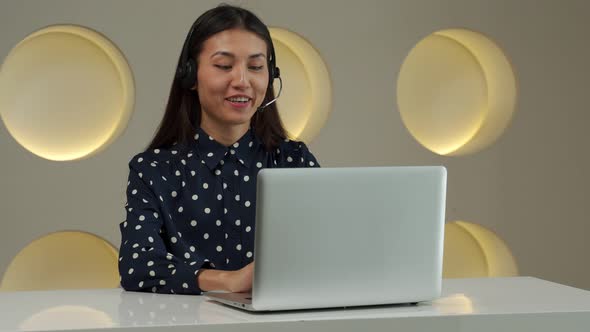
(240, 77)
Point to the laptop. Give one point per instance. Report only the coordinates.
(343, 237)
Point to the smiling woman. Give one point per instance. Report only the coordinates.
(232, 81)
(191, 196)
(233, 52)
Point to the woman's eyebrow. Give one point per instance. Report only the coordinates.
(231, 55)
(257, 55)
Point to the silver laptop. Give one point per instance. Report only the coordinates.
(341, 237)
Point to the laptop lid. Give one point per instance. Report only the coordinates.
(337, 237)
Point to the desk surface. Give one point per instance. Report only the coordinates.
(466, 304)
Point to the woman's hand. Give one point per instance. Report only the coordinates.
(240, 281)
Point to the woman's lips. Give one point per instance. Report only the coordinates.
(238, 105)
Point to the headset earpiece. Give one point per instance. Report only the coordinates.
(273, 71)
(187, 74)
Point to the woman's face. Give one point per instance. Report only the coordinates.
(232, 77)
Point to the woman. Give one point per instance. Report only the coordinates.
(191, 195)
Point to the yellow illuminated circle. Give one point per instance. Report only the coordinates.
(63, 260)
(471, 250)
(306, 99)
(66, 92)
(456, 92)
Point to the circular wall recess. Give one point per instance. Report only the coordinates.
(456, 92)
(66, 92)
(473, 251)
(306, 99)
(63, 260)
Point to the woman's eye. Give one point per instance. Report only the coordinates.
(222, 67)
(256, 68)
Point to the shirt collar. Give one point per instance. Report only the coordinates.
(212, 152)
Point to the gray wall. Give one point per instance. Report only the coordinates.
(529, 187)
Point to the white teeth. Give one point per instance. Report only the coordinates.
(239, 99)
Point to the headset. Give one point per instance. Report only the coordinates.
(186, 72)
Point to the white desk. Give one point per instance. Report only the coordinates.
(495, 304)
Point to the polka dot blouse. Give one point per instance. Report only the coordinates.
(193, 208)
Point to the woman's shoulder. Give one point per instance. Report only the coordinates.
(158, 159)
(293, 153)
(289, 145)
(148, 156)
(160, 154)
(159, 167)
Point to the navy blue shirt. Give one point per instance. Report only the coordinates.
(193, 208)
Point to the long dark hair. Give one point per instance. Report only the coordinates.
(183, 110)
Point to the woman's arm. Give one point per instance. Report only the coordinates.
(145, 261)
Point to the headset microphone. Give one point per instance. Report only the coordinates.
(261, 108)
